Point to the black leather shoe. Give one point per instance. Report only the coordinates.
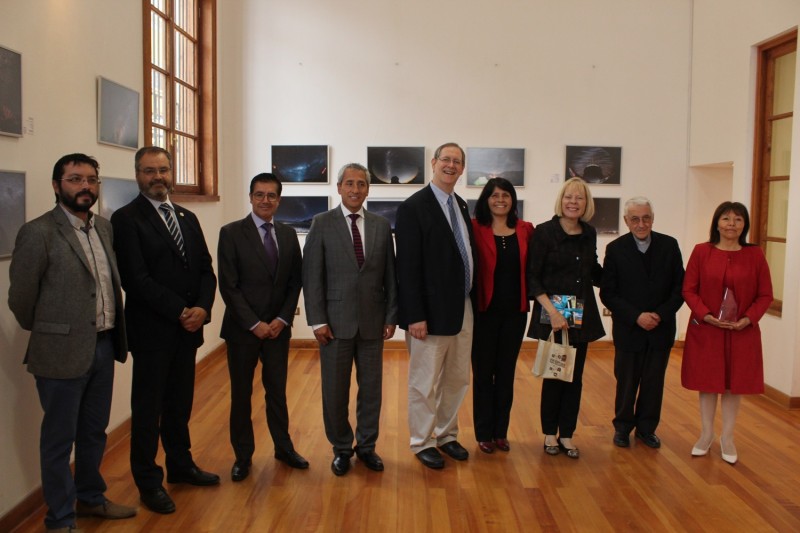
(341, 464)
(431, 458)
(371, 460)
(194, 476)
(240, 470)
(291, 458)
(157, 500)
(455, 450)
(572, 453)
(649, 439)
(621, 439)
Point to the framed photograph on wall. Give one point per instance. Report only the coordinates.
(520, 211)
(115, 193)
(10, 93)
(300, 164)
(396, 165)
(385, 207)
(595, 164)
(117, 114)
(486, 163)
(606, 216)
(12, 205)
(297, 211)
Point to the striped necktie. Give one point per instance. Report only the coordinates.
(462, 248)
(172, 226)
(358, 246)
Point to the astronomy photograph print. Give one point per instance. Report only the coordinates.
(484, 164)
(385, 208)
(298, 211)
(12, 207)
(595, 164)
(10, 93)
(396, 165)
(300, 164)
(117, 114)
(606, 216)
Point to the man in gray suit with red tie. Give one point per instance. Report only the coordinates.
(435, 269)
(260, 274)
(65, 290)
(351, 303)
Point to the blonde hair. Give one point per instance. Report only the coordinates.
(577, 182)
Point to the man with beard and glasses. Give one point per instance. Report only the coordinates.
(170, 286)
(65, 289)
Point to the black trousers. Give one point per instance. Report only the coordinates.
(162, 393)
(640, 371)
(561, 400)
(497, 338)
(242, 361)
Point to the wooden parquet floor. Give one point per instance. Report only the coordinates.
(607, 489)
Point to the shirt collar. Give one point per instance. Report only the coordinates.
(260, 221)
(76, 222)
(441, 196)
(347, 212)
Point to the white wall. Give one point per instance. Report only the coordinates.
(725, 36)
(537, 75)
(64, 47)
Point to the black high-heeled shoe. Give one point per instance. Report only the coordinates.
(551, 450)
(572, 453)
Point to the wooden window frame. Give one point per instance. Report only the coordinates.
(767, 53)
(206, 188)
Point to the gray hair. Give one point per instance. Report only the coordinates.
(638, 201)
(352, 166)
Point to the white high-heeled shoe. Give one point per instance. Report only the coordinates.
(698, 452)
(728, 458)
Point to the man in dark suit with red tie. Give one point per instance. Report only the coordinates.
(435, 269)
(170, 287)
(260, 275)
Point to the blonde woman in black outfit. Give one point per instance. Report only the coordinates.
(563, 260)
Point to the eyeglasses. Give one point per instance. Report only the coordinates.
(646, 220)
(448, 160)
(78, 180)
(270, 196)
(151, 172)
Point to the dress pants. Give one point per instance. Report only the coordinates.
(162, 393)
(76, 411)
(561, 400)
(642, 370)
(495, 348)
(438, 378)
(336, 364)
(242, 361)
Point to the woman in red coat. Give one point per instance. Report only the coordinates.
(728, 289)
(501, 239)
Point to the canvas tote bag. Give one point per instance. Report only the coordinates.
(555, 360)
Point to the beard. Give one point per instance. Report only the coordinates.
(77, 202)
(151, 190)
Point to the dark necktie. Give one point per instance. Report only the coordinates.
(172, 226)
(462, 248)
(358, 246)
(270, 247)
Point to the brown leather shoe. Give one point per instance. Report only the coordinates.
(107, 509)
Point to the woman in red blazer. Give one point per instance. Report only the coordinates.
(722, 354)
(501, 239)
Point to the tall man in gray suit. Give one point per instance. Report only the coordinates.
(260, 273)
(351, 303)
(435, 269)
(642, 282)
(65, 290)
